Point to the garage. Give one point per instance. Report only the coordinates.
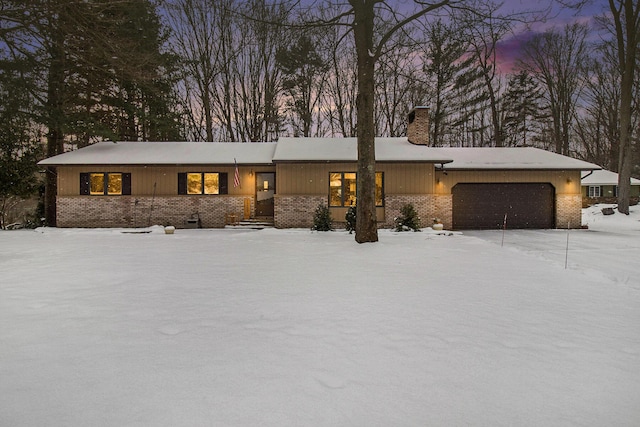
(483, 206)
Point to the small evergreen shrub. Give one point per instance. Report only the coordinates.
(322, 219)
(350, 217)
(408, 219)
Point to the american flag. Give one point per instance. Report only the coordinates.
(236, 175)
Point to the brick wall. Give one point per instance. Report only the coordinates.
(418, 126)
(423, 203)
(568, 210)
(296, 211)
(444, 209)
(130, 211)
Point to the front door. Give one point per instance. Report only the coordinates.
(265, 189)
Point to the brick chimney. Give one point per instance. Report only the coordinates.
(418, 126)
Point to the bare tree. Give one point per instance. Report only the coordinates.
(362, 18)
(556, 60)
(625, 15)
(196, 38)
(483, 40)
(598, 129)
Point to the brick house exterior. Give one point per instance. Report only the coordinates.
(137, 184)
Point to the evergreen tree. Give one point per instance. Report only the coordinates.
(408, 219)
(322, 220)
(19, 151)
(522, 105)
(445, 64)
(350, 218)
(302, 69)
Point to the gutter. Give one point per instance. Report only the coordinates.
(589, 174)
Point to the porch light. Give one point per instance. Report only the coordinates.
(266, 185)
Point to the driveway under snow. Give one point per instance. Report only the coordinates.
(291, 328)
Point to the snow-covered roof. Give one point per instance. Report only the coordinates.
(166, 153)
(473, 158)
(604, 177)
(311, 150)
(346, 149)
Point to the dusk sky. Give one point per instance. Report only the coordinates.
(509, 48)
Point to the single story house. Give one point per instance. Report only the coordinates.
(601, 186)
(133, 184)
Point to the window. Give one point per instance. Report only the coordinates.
(105, 183)
(202, 183)
(342, 189)
(594, 191)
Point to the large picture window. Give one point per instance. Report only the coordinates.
(342, 189)
(202, 183)
(105, 183)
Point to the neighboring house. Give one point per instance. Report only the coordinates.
(601, 186)
(133, 184)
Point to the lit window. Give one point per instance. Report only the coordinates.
(114, 183)
(342, 189)
(211, 185)
(202, 183)
(102, 183)
(194, 183)
(97, 183)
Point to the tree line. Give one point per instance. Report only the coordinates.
(74, 72)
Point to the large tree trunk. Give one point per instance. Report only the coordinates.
(627, 35)
(55, 113)
(366, 227)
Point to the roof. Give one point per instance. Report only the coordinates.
(604, 177)
(346, 150)
(487, 158)
(311, 150)
(166, 153)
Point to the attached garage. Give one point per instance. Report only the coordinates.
(484, 205)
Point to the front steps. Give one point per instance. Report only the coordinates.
(253, 223)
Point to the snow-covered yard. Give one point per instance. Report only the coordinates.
(293, 328)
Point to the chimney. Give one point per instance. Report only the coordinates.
(418, 126)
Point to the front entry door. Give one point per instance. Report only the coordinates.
(265, 189)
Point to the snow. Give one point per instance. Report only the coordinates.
(604, 177)
(400, 149)
(166, 153)
(292, 327)
(311, 150)
(346, 149)
(509, 158)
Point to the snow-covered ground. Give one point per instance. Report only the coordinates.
(297, 328)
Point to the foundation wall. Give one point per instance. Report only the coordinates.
(130, 211)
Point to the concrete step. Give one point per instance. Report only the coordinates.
(253, 223)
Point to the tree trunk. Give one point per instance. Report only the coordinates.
(627, 35)
(366, 227)
(55, 113)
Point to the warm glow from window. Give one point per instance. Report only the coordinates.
(335, 189)
(96, 183)
(342, 189)
(115, 184)
(194, 183)
(203, 183)
(211, 183)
